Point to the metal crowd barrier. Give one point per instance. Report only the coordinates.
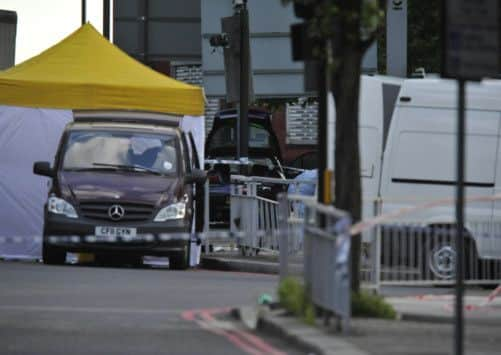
(255, 216)
(402, 249)
(323, 234)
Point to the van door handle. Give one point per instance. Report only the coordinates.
(363, 173)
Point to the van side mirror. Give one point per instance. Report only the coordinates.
(43, 168)
(197, 176)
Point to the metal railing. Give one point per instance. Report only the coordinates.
(323, 234)
(399, 247)
(256, 218)
(403, 249)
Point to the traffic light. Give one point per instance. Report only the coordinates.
(305, 9)
(302, 45)
(230, 40)
(235, 41)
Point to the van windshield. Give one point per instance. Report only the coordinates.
(111, 150)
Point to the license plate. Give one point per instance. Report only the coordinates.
(104, 231)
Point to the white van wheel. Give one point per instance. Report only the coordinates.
(442, 261)
(440, 255)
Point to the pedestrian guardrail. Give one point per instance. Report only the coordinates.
(322, 238)
(256, 215)
(400, 248)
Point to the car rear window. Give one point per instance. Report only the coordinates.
(225, 136)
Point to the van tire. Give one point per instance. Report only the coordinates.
(439, 257)
(180, 260)
(53, 256)
(249, 251)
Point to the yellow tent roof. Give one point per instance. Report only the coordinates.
(86, 71)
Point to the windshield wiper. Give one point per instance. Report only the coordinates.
(109, 168)
(129, 167)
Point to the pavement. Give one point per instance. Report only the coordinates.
(233, 262)
(265, 262)
(424, 327)
(441, 309)
(424, 324)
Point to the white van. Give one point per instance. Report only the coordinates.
(419, 162)
(407, 133)
(378, 95)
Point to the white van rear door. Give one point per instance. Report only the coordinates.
(491, 238)
(370, 132)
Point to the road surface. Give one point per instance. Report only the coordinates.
(120, 310)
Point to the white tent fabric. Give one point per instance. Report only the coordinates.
(26, 135)
(195, 125)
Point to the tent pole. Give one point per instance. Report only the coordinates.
(106, 19)
(84, 14)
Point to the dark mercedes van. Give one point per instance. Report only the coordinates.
(123, 186)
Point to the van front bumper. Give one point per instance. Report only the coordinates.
(151, 238)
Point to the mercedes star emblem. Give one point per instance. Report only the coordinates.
(116, 212)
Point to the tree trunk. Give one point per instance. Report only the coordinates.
(345, 88)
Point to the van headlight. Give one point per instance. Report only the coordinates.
(174, 211)
(59, 206)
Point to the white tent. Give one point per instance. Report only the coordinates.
(26, 135)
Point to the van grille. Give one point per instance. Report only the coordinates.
(134, 212)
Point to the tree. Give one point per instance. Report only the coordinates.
(344, 30)
(356, 24)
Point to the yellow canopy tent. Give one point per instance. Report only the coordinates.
(86, 71)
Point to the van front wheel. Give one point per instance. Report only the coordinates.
(180, 260)
(52, 256)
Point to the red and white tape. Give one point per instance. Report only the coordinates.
(363, 226)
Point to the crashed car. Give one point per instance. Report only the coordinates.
(220, 150)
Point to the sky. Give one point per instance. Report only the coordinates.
(43, 23)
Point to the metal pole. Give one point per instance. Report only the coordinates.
(206, 216)
(146, 34)
(84, 12)
(396, 38)
(376, 248)
(244, 82)
(283, 228)
(322, 129)
(459, 321)
(106, 19)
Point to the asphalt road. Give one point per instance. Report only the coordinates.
(106, 310)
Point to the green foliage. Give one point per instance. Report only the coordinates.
(293, 297)
(372, 18)
(353, 25)
(309, 314)
(275, 104)
(364, 304)
(424, 45)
